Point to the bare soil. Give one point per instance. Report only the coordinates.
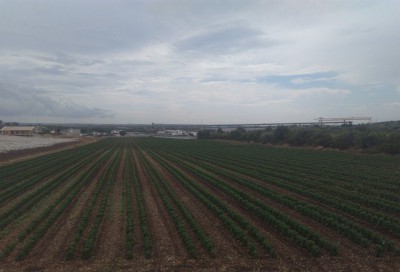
(331, 264)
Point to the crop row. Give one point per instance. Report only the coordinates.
(222, 167)
(143, 219)
(255, 194)
(48, 175)
(31, 199)
(59, 206)
(129, 226)
(232, 220)
(175, 216)
(84, 220)
(165, 189)
(39, 225)
(306, 164)
(300, 234)
(15, 173)
(338, 223)
(286, 181)
(317, 180)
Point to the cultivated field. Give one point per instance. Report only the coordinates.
(8, 143)
(151, 203)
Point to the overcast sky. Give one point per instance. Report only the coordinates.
(201, 61)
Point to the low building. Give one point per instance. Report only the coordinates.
(175, 133)
(114, 132)
(19, 131)
(75, 131)
(72, 132)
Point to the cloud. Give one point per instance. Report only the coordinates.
(147, 61)
(304, 80)
(23, 101)
(320, 91)
(223, 39)
(392, 106)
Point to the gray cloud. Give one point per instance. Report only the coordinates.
(64, 59)
(167, 61)
(224, 39)
(23, 101)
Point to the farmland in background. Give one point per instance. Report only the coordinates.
(153, 203)
(8, 143)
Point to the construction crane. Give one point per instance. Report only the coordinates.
(344, 120)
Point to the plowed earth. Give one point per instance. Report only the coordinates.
(169, 252)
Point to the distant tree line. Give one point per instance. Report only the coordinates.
(381, 138)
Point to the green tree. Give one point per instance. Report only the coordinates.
(368, 140)
(301, 137)
(280, 134)
(203, 134)
(345, 140)
(322, 138)
(238, 134)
